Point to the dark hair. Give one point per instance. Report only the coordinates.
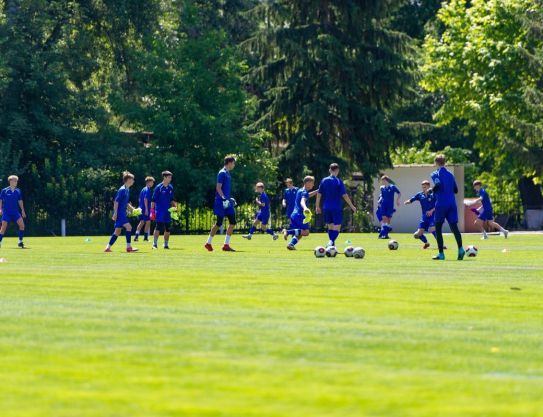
(440, 160)
(308, 178)
(166, 174)
(127, 175)
(385, 178)
(477, 182)
(147, 179)
(334, 167)
(229, 159)
(288, 180)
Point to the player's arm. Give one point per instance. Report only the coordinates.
(317, 204)
(349, 202)
(303, 202)
(479, 200)
(1, 205)
(399, 197)
(115, 208)
(430, 212)
(146, 205)
(22, 207)
(313, 193)
(218, 188)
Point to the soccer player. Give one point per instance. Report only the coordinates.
(385, 209)
(12, 209)
(427, 202)
(224, 205)
(445, 189)
(146, 194)
(298, 228)
(485, 212)
(289, 197)
(263, 214)
(332, 191)
(161, 201)
(121, 204)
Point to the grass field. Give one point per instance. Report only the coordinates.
(265, 332)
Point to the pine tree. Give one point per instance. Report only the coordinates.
(328, 75)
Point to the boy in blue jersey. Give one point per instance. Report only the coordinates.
(224, 205)
(298, 228)
(289, 197)
(385, 209)
(263, 215)
(121, 204)
(485, 215)
(427, 202)
(161, 202)
(12, 209)
(332, 191)
(445, 189)
(146, 195)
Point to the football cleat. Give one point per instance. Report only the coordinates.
(209, 247)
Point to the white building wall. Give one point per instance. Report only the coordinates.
(408, 178)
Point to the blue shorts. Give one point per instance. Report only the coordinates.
(446, 211)
(486, 215)
(426, 223)
(121, 221)
(163, 217)
(219, 210)
(385, 212)
(144, 218)
(263, 217)
(333, 216)
(297, 222)
(11, 217)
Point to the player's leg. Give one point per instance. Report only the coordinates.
(138, 230)
(231, 226)
(3, 228)
(385, 227)
(218, 224)
(113, 238)
(159, 226)
(252, 229)
(167, 227)
(128, 234)
(419, 234)
(480, 223)
(301, 230)
(497, 226)
(452, 219)
(147, 230)
(21, 224)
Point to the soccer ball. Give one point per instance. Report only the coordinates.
(349, 251)
(359, 253)
(393, 245)
(320, 252)
(471, 251)
(331, 252)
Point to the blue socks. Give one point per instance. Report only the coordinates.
(113, 239)
(333, 234)
(270, 232)
(21, 235)
(128, 237)
(423, 238)
(146, 236)
(294, 241)
(1, 237)
(294, 232)
(252, 230)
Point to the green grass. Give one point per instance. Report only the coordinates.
(266, 332)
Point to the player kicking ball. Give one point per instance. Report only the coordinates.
(427, 203)
(386, 209)
(120, 206)
(161, 202)
(299, 220)
(332, 191)
(445, 188)
(224, 206)
(263, 214)
(485, 216)
(12, 209)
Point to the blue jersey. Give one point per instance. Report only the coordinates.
(10, 200)
(224, 178)
(298, 209)
(427, 202)
(386, 200)
(122, 198)
(485, 200)
(332, 190)
(264, 199)
(162, 197)
(447, 188)
(290, 198)
(145, 193)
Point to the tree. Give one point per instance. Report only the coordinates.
(328, 76)
(487, 66)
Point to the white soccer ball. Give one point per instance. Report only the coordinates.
(359, 253)
(349, 251)
(320, 252)
(331, 252)
(471, 251)
(393, 245)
